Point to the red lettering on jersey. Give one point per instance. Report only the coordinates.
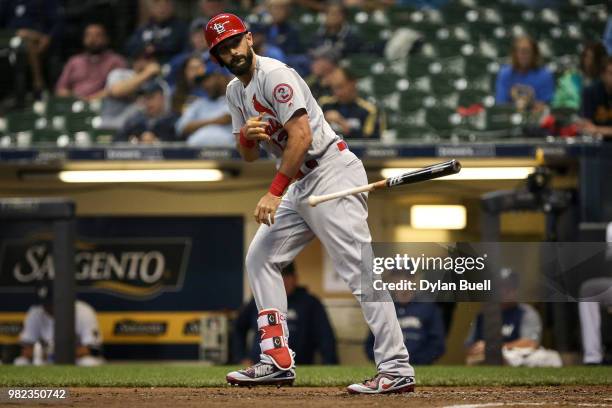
(282, 136)
(262, 109)
(273, 127)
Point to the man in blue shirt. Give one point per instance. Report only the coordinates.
(164, 35)
(207, 120)
(524, 83)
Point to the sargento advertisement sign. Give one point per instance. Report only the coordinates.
(133, 268)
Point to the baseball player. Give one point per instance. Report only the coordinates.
(273, 108)
(38, 328)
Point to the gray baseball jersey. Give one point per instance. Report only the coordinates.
(277, 91)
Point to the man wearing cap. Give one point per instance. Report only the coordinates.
(38, 327)
(156, 122)
(272, 108)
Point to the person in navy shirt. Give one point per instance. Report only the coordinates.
(596, 109)
(521, 323)
(281, 32)
(422, 326)
(308, 324)
(37, 23)
(524, 83)
(164, 35)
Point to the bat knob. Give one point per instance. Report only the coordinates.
(456, 166)
(312, 200)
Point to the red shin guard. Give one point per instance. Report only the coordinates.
(273, 338)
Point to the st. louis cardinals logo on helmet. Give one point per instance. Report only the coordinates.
(221, 27)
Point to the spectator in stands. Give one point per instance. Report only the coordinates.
(336, 32)
(422, 327)
(37, 23)
(524, 83)
(155, 123)
(197, 45)
(207, 121)
(210, 8)
(349, 114)
(84, 76)
(596, 107)
(607, 36)
(281, 32)
(188, 85)
(307, 321)
(521, 323)
(164, 35)
(262, 47)
(122, 86)
(324, 62)
(570, 85)
(38, 327)
(417, 4)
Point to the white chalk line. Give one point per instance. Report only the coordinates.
(501, 404)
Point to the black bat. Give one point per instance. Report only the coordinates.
(426, 173)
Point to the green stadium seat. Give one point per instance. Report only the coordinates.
(412, 100)
(444, 120)
(78, 122)
(361, 65)
(21, 121)
(64, 105)
(414, 133)
(387, 84)
(449, 47)
(501, 118)
(46, 135)
(476, 66)
(419, 66)
(443, 84)
(472, 96)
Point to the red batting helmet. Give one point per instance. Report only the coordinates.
(223, 26)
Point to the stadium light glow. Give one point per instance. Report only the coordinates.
(473, 173)
(140, 176)
(444, 217)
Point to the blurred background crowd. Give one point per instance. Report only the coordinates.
(98, 71)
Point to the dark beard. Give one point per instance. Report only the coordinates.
(245, 67)
(96, 50)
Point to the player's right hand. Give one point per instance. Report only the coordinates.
(255, 129)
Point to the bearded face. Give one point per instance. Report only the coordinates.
(236, 53)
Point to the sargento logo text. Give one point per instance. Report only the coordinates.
(140, 328)
(126, 267)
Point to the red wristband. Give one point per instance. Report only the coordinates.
(244, 142)
(279, 184)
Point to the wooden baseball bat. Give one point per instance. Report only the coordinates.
(426, 173)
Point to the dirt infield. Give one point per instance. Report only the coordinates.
(588, 396)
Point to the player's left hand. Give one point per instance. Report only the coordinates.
(266, 209)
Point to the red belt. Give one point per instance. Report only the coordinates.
(312, 163)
